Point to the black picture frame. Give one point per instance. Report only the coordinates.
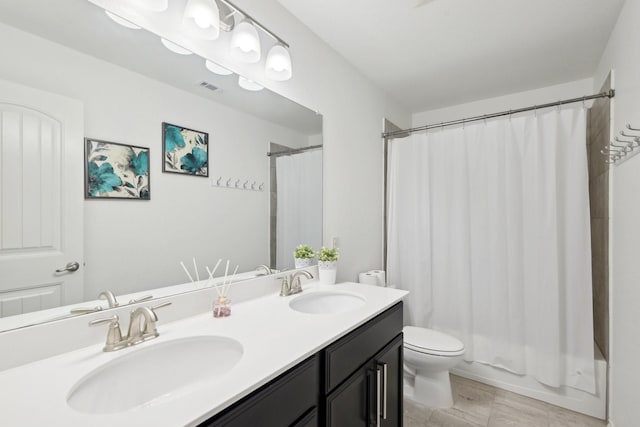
(116, 171)
(185, 151)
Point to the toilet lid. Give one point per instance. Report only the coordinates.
(429, 341)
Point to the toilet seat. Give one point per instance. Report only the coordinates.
(432, 342)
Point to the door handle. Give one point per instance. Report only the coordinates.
(384, 388)
(70, 267)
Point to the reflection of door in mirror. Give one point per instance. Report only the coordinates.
(41, 207)
(297, 197)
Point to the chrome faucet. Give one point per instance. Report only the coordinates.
(296, 286)
(139, 322)
(291, 285)
(110, 297)
(142, 327)
(265, 268)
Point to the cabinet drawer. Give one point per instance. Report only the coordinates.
(343, 357)
(278, 403)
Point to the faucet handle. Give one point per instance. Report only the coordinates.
(164, 304)
(137, 300)
(85, 310)
(284, 286)
(114, 335)
(150, 327)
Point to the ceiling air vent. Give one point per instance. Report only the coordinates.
(208, 86)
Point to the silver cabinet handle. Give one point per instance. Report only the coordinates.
(384, 388)
(70, 267)
(377, 397)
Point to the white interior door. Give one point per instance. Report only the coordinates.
(41, 199)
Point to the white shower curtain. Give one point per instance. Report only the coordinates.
(489, 230)
(299, 205)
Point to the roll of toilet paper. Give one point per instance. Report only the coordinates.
(372, 277)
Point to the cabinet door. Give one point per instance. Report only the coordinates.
(352, 404)
(372, 396)
(389, 362)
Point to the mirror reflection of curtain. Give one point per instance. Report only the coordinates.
(299, 216)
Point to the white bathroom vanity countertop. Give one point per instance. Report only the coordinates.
(274, 338)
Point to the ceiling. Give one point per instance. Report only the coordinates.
(436, 53)
(84, 27)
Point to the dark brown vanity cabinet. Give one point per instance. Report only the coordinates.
(355, 381)
(363, 374)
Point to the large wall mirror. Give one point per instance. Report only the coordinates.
(263, 195)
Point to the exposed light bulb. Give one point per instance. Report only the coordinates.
(247, 84)
(278, 64)
(217, 69)
(175, 48)
(245, 42)
(119, 20)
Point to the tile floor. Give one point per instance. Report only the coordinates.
(480, 405)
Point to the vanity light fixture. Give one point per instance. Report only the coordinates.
(217, 69)
(245, 42)
(119, 20)
(278, 65)
(202, 19)
(174, 47)
(247, 84)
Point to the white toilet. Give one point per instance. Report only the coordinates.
(428, 356)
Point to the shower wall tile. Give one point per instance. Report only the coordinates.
(600, 277)
(598, 137)
(599, 196)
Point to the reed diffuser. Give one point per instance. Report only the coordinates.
(222, 305)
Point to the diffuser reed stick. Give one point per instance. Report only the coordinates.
(186, 271)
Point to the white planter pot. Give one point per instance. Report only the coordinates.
(327, 272)
(303, 262)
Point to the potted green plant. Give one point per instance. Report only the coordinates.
(328, 265)
(303, 256)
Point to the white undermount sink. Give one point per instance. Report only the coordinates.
(327, 302)
(143, 376)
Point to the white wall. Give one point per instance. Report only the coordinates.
(352, 110)
(136, 245)
(621, 56)
(504, 103)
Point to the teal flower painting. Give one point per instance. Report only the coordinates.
(116, 171)
(186, 151)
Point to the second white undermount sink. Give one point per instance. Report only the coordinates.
(327, 302)
(148, 374)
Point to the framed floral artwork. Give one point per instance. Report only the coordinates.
(185, 151)
(116, 171)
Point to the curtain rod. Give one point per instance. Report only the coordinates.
(293, 151)
(609, 94)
